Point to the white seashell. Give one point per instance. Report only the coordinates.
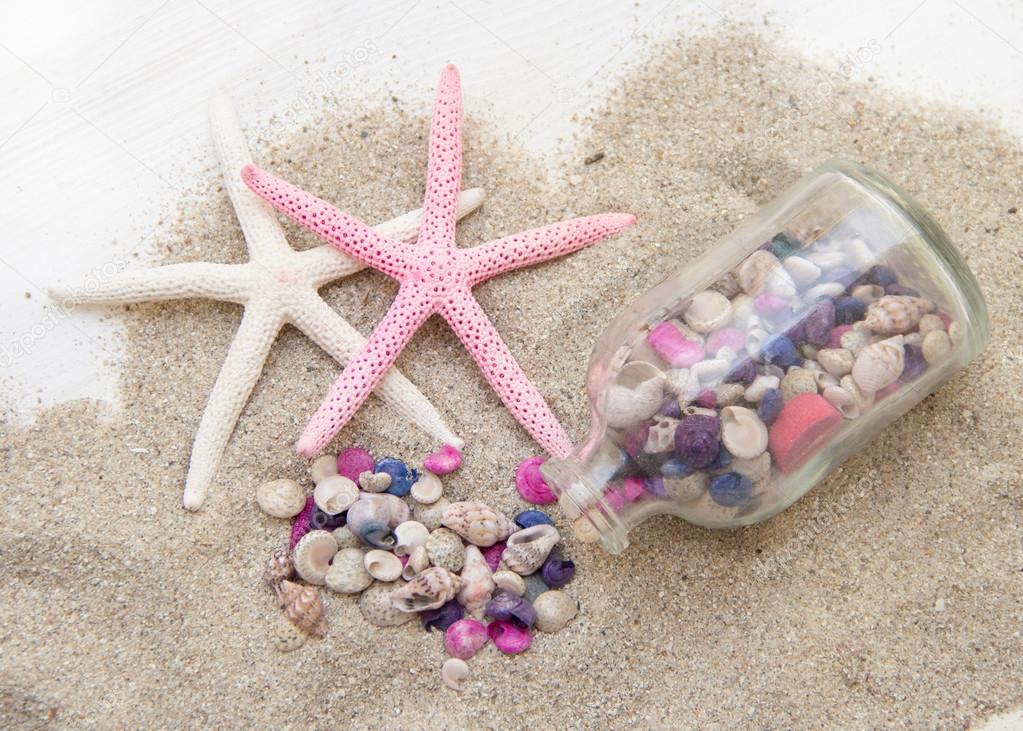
(824, 380)
(427, 590)
(661, 436)
(382, 565)
(894, 314)
(444, 548)
(761, 385)
(755, 340)
(584, 530)
(410, 535)
(826, 259)
(936, 346)
(863, 400)
(827, 289)
(281, 498)
(418, 560)
(803, 271)
(868, 292)
(727, 394)
(758, 468)
(477, 581)
(688, 488)
(808, 351)
(879, 365)
(682, 384)
(345, 538)
(527, 549)
(913, 339)
(708, 311)
(347, 573)
(956, 333)
(428, 488)
(478, 523)
(742, 432)
(762, 272)
(843, 401)
(796, 381)
(454, 672)
(930, 322)
(636, 394)
(859, 256)
(288, 637)
(709, 372)
(431, 514)
(323, 467)
(743, 308)
(854, 341)
(554, 609)
(335, 494)
(510, 582)
(376, 607)
(836, 361)
(374, 481)
(313, 554)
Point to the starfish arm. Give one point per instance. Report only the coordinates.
(226, 282)
(342, 231)
(504, 374)
(444, 168)
(325, 263)
(341, 341)
(408, 311)
(237, 377)
(263, 234)
(539, 244)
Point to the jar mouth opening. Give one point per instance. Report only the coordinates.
(581, 501)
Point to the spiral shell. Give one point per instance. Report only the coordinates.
(374, 515)
(894, 314)
(879, 365)
(409, 535)
(335, 494)
(313, 554)
(742, 432)
(708, 311)
(281, 498)
(428, 488)
(478, 523)
(477, 581)
(376, 607)
(347, 573)
(444, 547)
(635, 395)
(527, 549)
(302, 607)
(428, 590)
(278, 568)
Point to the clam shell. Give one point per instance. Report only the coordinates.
(382, 565)
(636, 394)
(894, 314)
(836, 361)
(347, 573)
(661, 435)
(313, 554)
(335, 494)
(527, 549)
(323, 467)
(762, 272)
(868, 292)
(742, 432)
(477, 581)
(554, 609)
(803, 271)
(428, 590)
(936, 346)
(376, 607)
(444, 547)
(761, 385)
(428, 488)
(843, 401)
(419, 560)
(708, 311)
(287, 637)
(879, 365)
(410, 535)
(281, 498)
(302, 607)
(510, 582)
(478, 523)
(430, 515)
(454, 672)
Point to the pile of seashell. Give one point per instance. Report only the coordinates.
(743, 383)
(452, 564)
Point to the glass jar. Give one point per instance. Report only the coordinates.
(727, 391)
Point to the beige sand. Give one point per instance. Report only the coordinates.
(890, 596)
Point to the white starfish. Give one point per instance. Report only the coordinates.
(277, 285)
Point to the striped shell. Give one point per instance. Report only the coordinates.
(302, 607)
(313, 554)
(278, 568)
(477, 523)
(428, 590)
(894, 314)
(527, 549)
(879, 365)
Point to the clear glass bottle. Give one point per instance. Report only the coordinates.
(727, 391)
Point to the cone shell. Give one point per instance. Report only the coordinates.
(278, 568)
(302, 607)
(347, 573)
(313, 554)
(428, 590)
(879, 365)
(742, 432)
(376, 607)
(444, 547)
(478, 523)
(477, 581)
(894, 314)
(527, 549)
(708, 311)
(281, 498)
(636, 394)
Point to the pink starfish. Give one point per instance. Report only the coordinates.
(435, 277)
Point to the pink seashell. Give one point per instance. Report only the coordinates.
(530, 483)
(509, 638)
(945, 319)
(464, 638)
(770, 303)
(445, 460)
(835, 338)
(615, 500)
(728, 337)
(353, 462)
(673, 346)
(634, 488)
(300, 526)
(492, 555)
(404, 559)
(707, 399)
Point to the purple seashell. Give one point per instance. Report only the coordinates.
(465, 637)
(794, 331)
(848, 310)
(492, 555)
(442, 617)
(353, 462)
(506, 607)
(445, 460)
(633, 488)
(697, 440)
(728, 337)
(781, 351)
(320, 520)
(636, 441)
(843, 275)
(509, 638)
(818, 322)
(898, 289)
(743, 371)
(707, 399)
(915, 365)
(654, 484)
(671, 408)
(770, 406)
(300, 526)
(530, 483)
(557, 571)
(882, 276)
(614, 499)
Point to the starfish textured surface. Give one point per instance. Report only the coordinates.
(435, 277)
(277, 285)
